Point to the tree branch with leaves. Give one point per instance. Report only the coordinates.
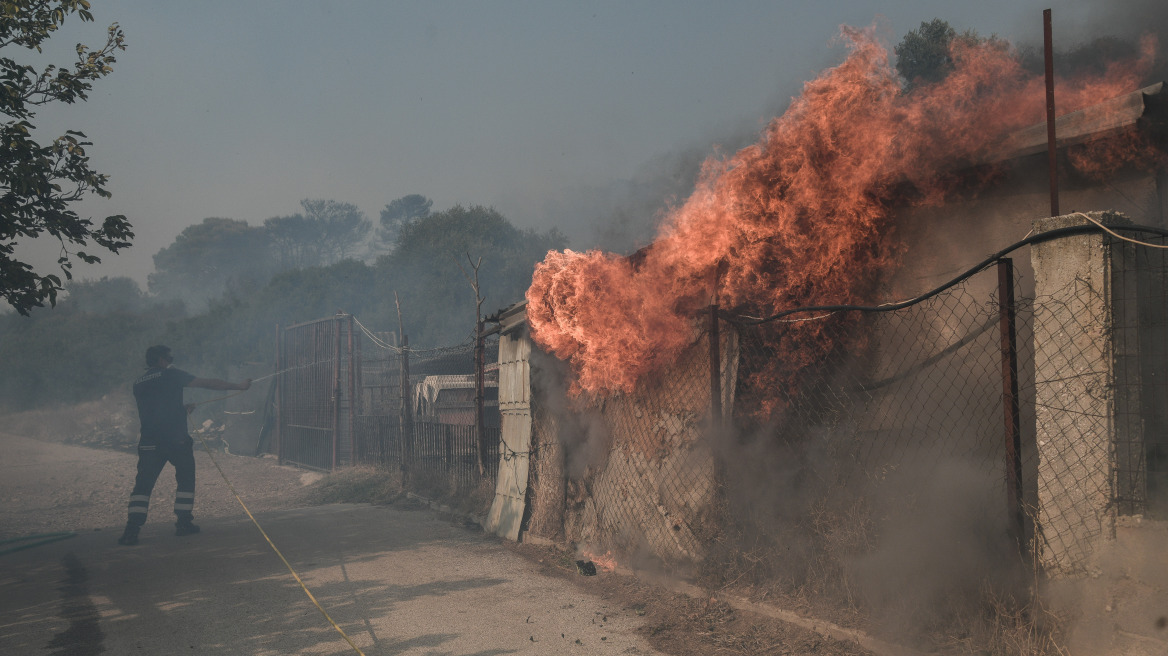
(39, 182)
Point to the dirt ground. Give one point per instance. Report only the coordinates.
(685, 625)
(86, 489)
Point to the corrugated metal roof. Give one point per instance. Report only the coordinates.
(1099, 121)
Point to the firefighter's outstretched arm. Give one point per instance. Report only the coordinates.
(217, 384)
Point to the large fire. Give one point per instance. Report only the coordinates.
(800, 218)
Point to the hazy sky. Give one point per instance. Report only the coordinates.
(241, 109)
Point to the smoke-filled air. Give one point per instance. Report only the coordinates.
(802, 217)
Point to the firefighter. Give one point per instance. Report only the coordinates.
(159, 393)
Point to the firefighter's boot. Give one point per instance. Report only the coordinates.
(129, 536)
(184, 526)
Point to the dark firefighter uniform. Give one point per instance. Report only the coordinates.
(159, 393)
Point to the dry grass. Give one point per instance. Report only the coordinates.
(1007, 626)
(468, 500)
(364, 484)
(804, 562)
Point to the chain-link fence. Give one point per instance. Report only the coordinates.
(1022, 425)
(1101, 380)
(427, 396)
(348, 395)
(898, 425)
(633, 473)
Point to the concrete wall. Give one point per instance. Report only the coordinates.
(649, 490)
(1074, 359)
(942, 241)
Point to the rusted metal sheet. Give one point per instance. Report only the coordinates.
(1051, 128)
(1010, 406)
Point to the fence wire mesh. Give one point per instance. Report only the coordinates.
(901, 413)
(316, 393)
(908, 405)
(348, 395)
(636, 470)
(862, 417)
(1101, 390)
(427, 396)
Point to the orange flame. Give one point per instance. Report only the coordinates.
(800, 218)
(606, 563)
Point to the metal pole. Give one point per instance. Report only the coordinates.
(715, 370)
(480, 439)
(448, 447)
(405, 418)
(1013, 436)
(1051, 144)
(352, 397)
(336, 405)
(279, 409)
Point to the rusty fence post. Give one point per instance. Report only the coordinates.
(1051, 137)
(336, 385)
(448, 450)
(278, 436)
(1013, 437)
(353, 395)
(405, 416)
(480, 393)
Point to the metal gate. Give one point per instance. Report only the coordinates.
(316, 397)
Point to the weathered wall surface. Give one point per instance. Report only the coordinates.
(942, 241)
(1120, 609)
(652, 494)
(1074, 377)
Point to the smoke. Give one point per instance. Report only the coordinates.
(943, 545)
(645, 199)
(581, 434)
(1110, 31)
(623, 215)
(1121, 607)
(800, 218)
(920, 549)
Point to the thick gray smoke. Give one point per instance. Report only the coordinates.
(1111, 31)
(582, 436)
(622, 216)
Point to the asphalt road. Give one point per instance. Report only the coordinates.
(396, 581)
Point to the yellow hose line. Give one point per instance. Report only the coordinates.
(273, 546)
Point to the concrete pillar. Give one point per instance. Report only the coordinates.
(1074, 375)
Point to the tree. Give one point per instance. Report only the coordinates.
(399, 212)
(341, 225)
(925, 55)
(89, 346)
(327, 231)
(39, 183)
(296, 240)
(119, 295)
(208, 257)
(433, 292)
